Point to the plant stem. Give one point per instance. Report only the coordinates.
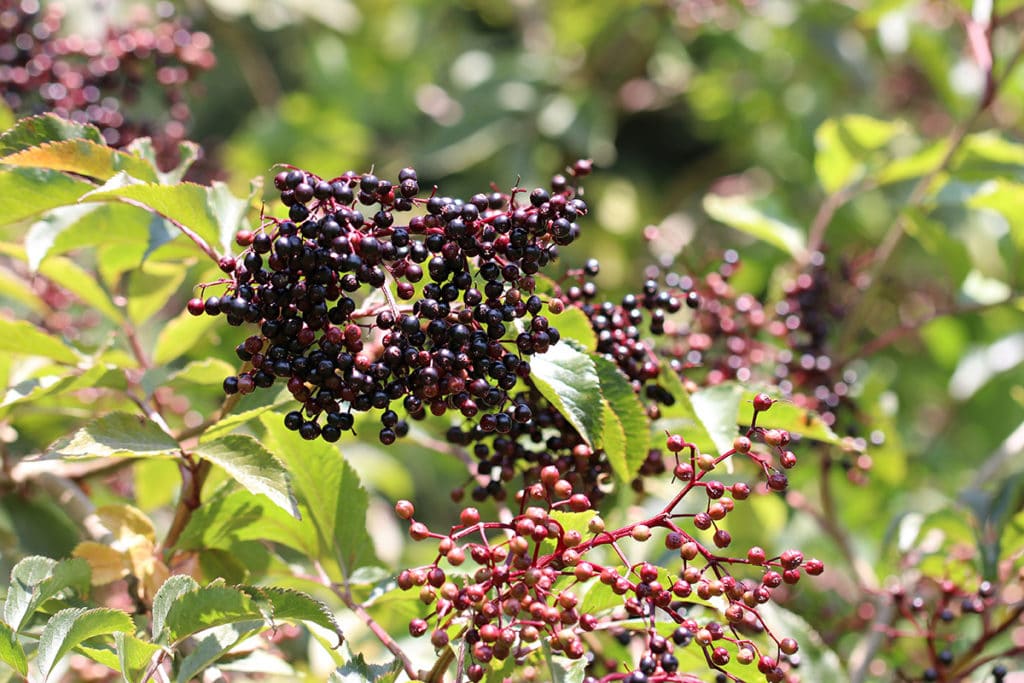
(193, 476)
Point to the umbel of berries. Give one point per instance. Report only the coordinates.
(368, 296)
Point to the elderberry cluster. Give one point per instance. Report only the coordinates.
(99, 81)
(533, 571)
(360, 309)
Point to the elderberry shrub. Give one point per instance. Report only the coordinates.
(533, 571)
(370, 297)
(100, 80)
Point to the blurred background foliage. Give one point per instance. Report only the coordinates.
(673, 100)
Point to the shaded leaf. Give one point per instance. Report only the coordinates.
(281, 604)
(118, 435)
(69, 627)
(330, 490)
(179, 335)
(54, 385)
(26, 192)
(133, 656)
(252, 466)
(236, 420)
(11, 652)
(357, 670)
(717, 408)
(567, 377)
(625, 409)
(19, 336)
(151, 286)
(213, 645)
(680, 416)
(206, 372)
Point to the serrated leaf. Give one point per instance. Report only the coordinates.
(213, 645)
(204, 608)
(48, 127)
(118, 435)
(213, 213)
(236, 420)
(11, 652)
(252, 466)
(69, 627)
(788, 416)
(54, 385)
(282, 604)
(567, 377)
(83, 157)
(151, 286)
(179, 335)
(740, 213)
(133, 656)
(357, 670)
(166, 597)
(26, 192)
(330, 490)
(22, 337)
(626, 415)
(34, 580)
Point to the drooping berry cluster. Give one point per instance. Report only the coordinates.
(100, 81)
(958, 629)
(534, 570)
(359, 310)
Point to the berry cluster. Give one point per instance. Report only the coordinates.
(934, 611)
(358, 310)
(536, 572)
(99, 81)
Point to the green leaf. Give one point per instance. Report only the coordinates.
(627, 419)
(188, 153)
(16, 289)
(48, 127)
(34, 580)
(213, 213)
(788, 416)
(281, 604)
(11, 652)
(71, 276)
(330, 490)
(151, 286)
(70, 627)
(357, 670)
(43, 233)
(1003, 196)
(717, 407)
(179, 335)
(82, 157)
(26, 192)
(567, 377)
(25, 338)
(563, 669)
(252, 466)
(213, 645)
(55, 385)
(845, 146)
(235, 516)
(166, 597)
(988, 155)
(740, 213)
(133, 656)
(118, 435)
(236, 420)
(680, 416)
(207, 372)
(204, 608)
(573, 323)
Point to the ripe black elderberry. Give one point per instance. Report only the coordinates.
(345, 319)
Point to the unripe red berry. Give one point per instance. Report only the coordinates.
(417, 627)
(788, 646)
(720, 656)
(404, 509)
(579, 502)
(756, 555)
(788, 459)
(419, 531)
(675, 443)
(722, 538)
(814, 567)
(778, 481)
(702, 521)
(741, 444)
(772, 437)
(469, 516)
(740, 490)
(641, 532)
(439, 638)
(762, 402)
(683, 471)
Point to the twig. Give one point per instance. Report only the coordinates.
(193, 476)
(75, 503)
(864, 652)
